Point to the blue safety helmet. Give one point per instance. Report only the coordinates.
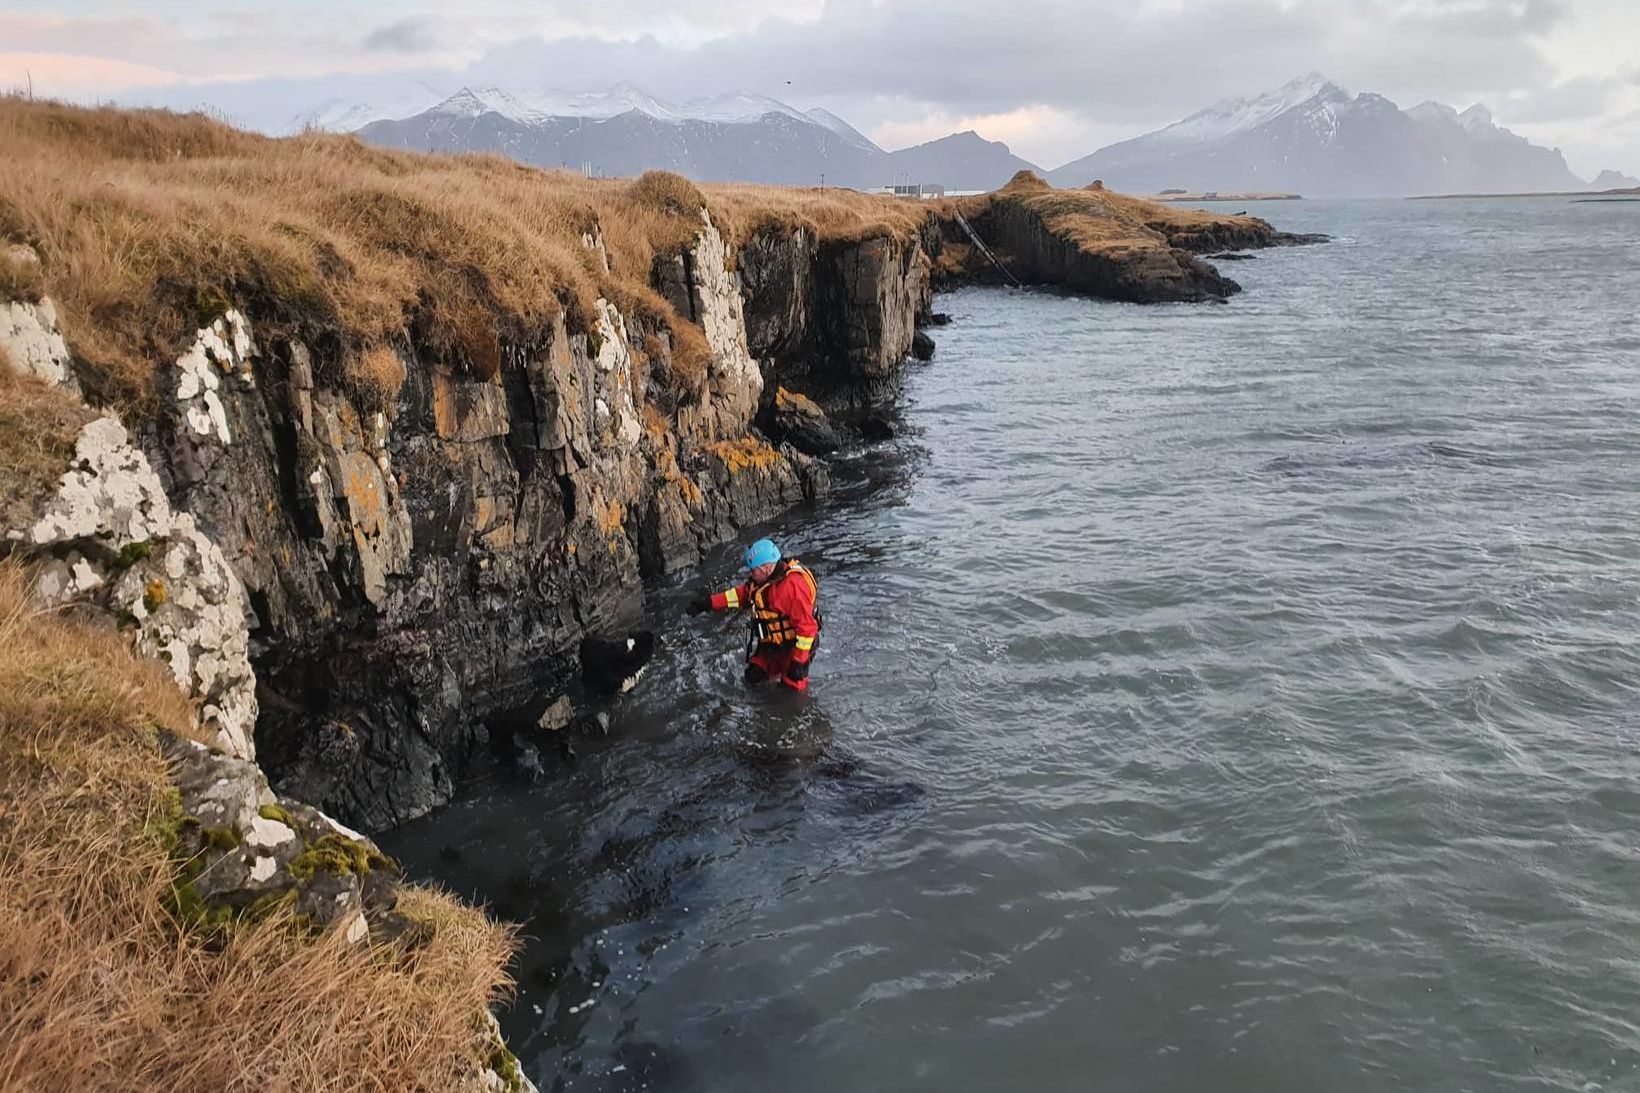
(762, 552)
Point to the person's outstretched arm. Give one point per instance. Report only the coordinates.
(730, 599)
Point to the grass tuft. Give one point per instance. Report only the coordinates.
(38, 427)
(376, 377)
(107, 983)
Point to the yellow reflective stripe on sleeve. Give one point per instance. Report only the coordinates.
(804, 643)
(732, 598)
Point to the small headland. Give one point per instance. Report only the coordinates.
(1096, 242)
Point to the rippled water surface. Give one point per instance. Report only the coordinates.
(1212, 698)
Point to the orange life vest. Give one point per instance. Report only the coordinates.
(771, 625)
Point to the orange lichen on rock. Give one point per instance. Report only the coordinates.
(612, 522)
(793, 402)
(746, 453)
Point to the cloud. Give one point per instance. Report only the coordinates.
(1089, 67)
(74, 76)
(1053, 78)
(404, 36)
(1582, 98)
(1033, 132)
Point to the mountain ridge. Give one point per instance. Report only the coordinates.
(736, 136)
(1313, 136)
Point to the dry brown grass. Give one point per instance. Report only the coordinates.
(376, 376)
(148, 222)
(20, 275)
(38, 426)
(101, 990)
(831, 214)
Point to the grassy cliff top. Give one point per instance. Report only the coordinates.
(1098, 219)
(149, 222)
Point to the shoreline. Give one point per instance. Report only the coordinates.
(1615, 195)
(1227, 195)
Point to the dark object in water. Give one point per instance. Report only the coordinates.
(611, 666)
(922, 346)
(876, 427)
(527, 762)
(1231, 256)
(939, 318)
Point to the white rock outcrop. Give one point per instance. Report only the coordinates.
(615, 364)
(110, 493)
(189, 612)
(735, 382)
(110, 532)
(30, 336)
(224, 348)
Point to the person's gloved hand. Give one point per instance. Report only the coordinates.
(796, 672)
(700, 603)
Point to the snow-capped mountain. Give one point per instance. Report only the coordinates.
(735, 136)
(821, 116)
(1233, 116)
(1314, 137)
(343, 115)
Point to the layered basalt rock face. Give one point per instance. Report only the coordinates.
(398, 573)
(418, 569)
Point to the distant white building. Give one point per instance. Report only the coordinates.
(913, 189)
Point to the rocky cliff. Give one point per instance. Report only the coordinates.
(415, 571)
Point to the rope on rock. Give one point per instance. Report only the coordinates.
(983, 249)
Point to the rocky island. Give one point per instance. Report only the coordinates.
(323, 462)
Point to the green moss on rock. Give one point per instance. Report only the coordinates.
(132, 553)
(505, 1064)
(275, 812)
(222, 838)
(338, 856)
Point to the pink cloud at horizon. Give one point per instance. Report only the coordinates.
(77, 75)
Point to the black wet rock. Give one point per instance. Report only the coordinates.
(876, 427)
(796, 420)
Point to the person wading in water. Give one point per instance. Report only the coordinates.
(782, 595)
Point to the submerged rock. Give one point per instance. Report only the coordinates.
(876, 427)
(922, 346)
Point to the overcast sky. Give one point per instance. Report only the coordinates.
(1053, 80)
